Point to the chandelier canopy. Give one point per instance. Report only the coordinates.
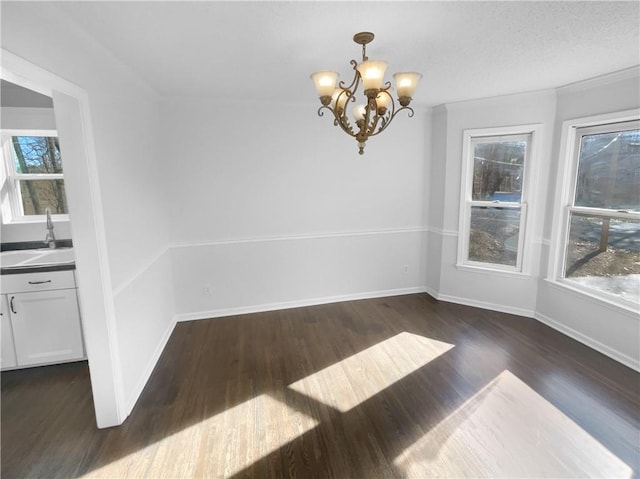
(379, 109)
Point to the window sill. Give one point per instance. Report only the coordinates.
(494, 271)
(602, 299)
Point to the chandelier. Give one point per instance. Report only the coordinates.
(379, 109)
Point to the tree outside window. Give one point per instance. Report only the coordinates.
(602, 250)
(33, 178)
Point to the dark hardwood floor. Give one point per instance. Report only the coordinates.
(403, 386)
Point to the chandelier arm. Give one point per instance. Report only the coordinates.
(410, 113)
(342, 121)
(368, 123)
(341, 116)
(347, 128)
(384, 123)
(386, 119)
(350, 97)
(339, 120)
(374, 124)
(356, 79)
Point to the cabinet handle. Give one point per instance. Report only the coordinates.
(11, 305)
(40, 282)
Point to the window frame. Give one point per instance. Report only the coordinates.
(523, 265)
(11, 203)
(572, 132)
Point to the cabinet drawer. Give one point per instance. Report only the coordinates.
(18, 283)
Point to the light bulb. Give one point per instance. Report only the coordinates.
(383, 100)
(358, 112)
(339, 99)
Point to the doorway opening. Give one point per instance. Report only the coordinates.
(82, 189)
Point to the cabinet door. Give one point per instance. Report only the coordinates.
(46, 326)
(8, 356)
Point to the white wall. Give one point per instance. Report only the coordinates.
(612, 330)
(502, 292)
(144, 309)
(257, 275)
(124, 116)
(426, 196)
(436, 191)
(238, 181)
(27, 118)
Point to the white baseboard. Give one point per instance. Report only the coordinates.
(430, 291)
(528, 313)
(592, 343)
(572, 333)
(260, 308)
(151, 364)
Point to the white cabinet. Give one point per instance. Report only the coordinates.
(44, 318)
(8, 351)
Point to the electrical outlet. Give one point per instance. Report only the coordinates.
(405, 268)
(206, 290)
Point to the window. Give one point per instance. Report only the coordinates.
(493, 208)
(33, 179)
(601, 244)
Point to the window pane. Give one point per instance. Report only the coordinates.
(37, 154)
(494, 235)
(37, 195)
(498, 170)
(604, 254)
(609, 171)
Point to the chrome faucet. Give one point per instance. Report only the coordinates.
(50, 239)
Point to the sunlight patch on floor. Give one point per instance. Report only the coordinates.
(509, 430)
(231, 441)
(353, 380)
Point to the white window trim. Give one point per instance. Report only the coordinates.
(524, 263)
(565, 190)
(11, 204)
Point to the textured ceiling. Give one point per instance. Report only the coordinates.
(267, 50)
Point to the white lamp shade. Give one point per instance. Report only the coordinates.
(358, 112)
(383, 100)
(339, 97)
(406, 83)
(372, 73)
(325, 82)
